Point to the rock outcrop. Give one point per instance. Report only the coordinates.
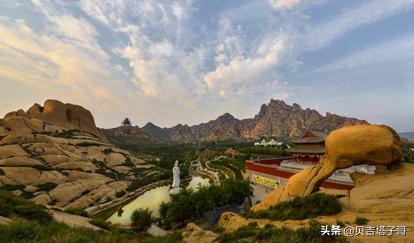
(55, 155)
(348, 146)
(194, 233)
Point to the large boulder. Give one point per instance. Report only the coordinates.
(53, 116)
(345, 147)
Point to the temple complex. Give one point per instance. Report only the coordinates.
(306, 151)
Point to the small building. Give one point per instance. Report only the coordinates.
(310, 147)
(272, 142)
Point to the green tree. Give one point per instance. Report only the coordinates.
(141, 220)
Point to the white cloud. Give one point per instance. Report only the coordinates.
(281, 4)
(369, 12)
(398, 52)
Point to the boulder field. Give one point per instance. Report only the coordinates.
(55, 155)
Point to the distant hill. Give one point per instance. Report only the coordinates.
(156, 132)
(408, 135)
(274, 119)
(129, 136)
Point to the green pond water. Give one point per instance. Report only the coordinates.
(152, 200)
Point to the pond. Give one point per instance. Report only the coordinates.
(152, 200)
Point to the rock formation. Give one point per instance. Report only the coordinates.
(194, 233)
(53, 116)
(348, 146)
(56, 156)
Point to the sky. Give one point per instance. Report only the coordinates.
(189, 61)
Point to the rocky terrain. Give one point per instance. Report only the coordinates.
(55, 155)
(274, 119)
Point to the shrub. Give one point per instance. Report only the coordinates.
(120, 193)
(190, 204)
(141, 220)
(269, 233)
(77, 211)
(12, 187)
(217, 229)
(107, 151)
(87, 144)
(310, 206)
(47, 186)
(12, 205)
(361, 221)
(27, 195)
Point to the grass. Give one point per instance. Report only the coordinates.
(310, 206)
(12, 206)
(269, 233)
(361, 221)
(29, 231)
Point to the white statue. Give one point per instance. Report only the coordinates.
(176, 179)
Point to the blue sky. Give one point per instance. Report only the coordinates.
(173, 62)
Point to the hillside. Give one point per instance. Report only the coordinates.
(55, 155)
(129, 136)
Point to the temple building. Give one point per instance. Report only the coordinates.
(307, 150)
(310, 147)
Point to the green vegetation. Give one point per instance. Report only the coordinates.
(361, 221)
(141, 220)
(408, 153)
(9, 187)
(66, 133)
(77, 211)
(107, 151)
(310, 206)
(47, 186)
(120, 193)
(102, 223)
(269, 233)
(191, 204)
(87, 144)
(30, 231)
(11, 205)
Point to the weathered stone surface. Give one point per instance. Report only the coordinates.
(65, 193)
(31, 188)
(43, 149)
(121, 169)
(83, 165)
(42, 198)
(194, 233)
(51, 176)
(114, 159)
(52, 159)
(231, 221)
(78, 175)
(348, 146)
(22, 175)
(14, 150)
(19, 161)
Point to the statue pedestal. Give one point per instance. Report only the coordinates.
(175, 190)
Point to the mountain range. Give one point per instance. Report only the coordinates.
(276, 119)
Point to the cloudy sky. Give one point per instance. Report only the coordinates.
(188, 61)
